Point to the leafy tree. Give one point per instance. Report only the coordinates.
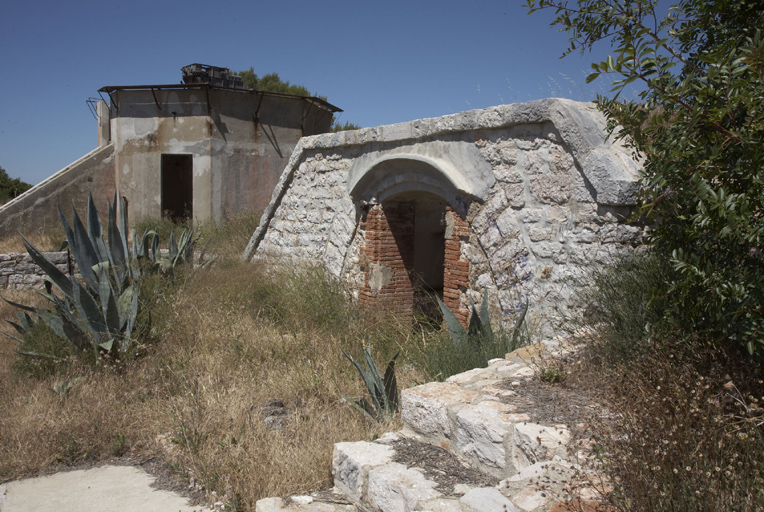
(11, 187)
(273, 83)
(347, 125)
(698, 127)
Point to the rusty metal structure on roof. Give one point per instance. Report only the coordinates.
(213, 75)
(200, 150)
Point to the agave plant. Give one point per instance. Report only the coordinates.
(479, 328)
(180, 251)
(383, 391)
(99, 312)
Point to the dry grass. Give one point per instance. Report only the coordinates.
(685, 432)
(226, 341)
(43, 239)
(226, 344)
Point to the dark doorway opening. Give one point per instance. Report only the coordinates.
(177, 187)
(429, 258)
(422, 250)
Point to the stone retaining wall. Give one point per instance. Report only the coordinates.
(19, 272)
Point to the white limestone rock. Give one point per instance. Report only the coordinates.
(394, 488)
(351, 463)
(534, 443)
(425, 408)
(481, 430)
(487, 500)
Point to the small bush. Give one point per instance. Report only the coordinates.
(42, 353)
(685, 426)
(620, 304)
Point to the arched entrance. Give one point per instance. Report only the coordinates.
(413, 222)
(412, 253)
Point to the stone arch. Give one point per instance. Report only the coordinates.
(450, 169)
(413, 233)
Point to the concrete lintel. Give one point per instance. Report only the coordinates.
(431, 165)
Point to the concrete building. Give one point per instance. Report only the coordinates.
(516, 199)
(199, 150)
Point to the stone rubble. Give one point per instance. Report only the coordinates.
(539, 465)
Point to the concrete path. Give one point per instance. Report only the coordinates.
(102, 489)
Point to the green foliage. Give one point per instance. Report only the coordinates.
(622, 304)
(553, 374)
(383, 391)
(337, 127)
(11, 187)
(272, 82)
(698, 127)
(465, 349)
(479, 329)
(98, 314)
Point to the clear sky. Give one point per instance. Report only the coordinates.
(381, 62)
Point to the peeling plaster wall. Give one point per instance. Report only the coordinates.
(240, 142)
(549, 206)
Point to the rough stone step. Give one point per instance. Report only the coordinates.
(328, 501)
(481, 441)
(483, 417)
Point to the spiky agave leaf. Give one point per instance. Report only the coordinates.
(391, 385)
(383, 392)
(367, 378)
(455, 327)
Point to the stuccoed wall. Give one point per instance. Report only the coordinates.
(37, 208)
(236, 160)
(552, 204)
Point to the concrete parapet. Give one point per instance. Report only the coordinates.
(36, 209)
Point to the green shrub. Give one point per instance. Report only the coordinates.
(383, 391)
(697, 127)
(621, 303)
(96, 315)
(442, 355)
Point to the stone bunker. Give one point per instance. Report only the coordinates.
(516, 199)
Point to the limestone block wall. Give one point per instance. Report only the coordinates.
(536, 194)
(19, 272)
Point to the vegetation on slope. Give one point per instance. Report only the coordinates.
(240, 371)
(677, 333)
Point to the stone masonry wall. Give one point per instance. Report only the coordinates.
(554, 206)
(19, 272)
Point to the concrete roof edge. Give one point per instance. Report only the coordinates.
(10, 204)
(582, 128)
(501, 116)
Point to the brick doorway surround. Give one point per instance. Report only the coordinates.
(387, 259)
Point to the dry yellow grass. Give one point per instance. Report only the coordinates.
(225, 343)
(43, 239)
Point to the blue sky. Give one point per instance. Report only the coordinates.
(381, 62)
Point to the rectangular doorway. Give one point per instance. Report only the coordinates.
(177, 187)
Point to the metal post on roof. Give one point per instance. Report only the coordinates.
(305, 113)
(155, 99)
(114, 102)
(256, 115)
